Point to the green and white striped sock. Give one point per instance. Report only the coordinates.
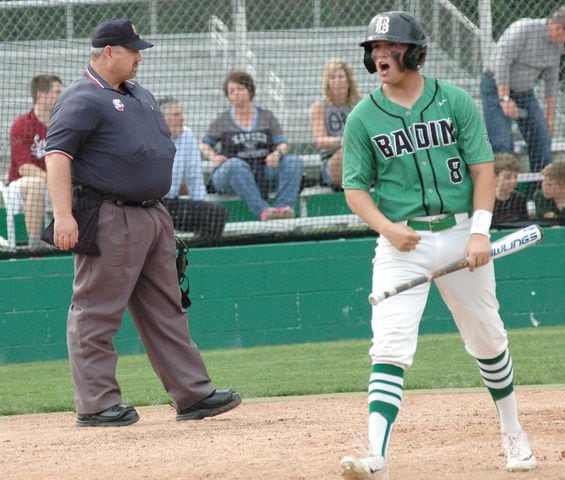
(498, 377)
(385, 395)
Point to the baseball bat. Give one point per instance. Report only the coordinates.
(511, 243)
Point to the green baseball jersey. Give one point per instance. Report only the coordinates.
(417, 159)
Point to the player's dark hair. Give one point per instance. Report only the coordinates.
(242, 78)
(42, 83)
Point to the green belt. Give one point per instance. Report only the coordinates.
(434, 225)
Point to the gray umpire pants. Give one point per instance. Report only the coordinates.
(136, 270)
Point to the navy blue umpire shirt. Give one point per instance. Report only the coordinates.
(118, 142)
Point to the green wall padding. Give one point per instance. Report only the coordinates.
(270, 294)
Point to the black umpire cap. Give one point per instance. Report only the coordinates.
(118, 31)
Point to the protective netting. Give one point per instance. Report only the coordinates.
(283, 46)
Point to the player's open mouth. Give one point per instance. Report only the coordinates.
(383, 67)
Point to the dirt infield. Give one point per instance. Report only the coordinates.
(437, 436)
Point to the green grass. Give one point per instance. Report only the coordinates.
(303, 369)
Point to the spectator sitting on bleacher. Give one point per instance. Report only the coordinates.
(253, 157)
(510, 204)
(550, 200)
(27, 177)
(194, 214)
(328, 115)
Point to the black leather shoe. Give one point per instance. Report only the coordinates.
(220, 401)
(116, 416)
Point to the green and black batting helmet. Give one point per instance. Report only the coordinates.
(399, 27)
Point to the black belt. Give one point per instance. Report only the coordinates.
(108, 197)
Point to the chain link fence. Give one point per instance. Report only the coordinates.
(283, 46)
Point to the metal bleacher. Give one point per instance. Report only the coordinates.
(287, 67)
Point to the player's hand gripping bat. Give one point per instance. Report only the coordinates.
(511, 243)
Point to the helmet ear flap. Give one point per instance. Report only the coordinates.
(368, 59)
(415, 57)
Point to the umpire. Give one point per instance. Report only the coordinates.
(109, 159)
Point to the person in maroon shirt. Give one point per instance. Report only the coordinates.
(27, 141)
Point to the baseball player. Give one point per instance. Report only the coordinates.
(422, 143)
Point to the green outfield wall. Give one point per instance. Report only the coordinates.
(270, 294)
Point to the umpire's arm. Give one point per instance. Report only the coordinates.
(60, 192)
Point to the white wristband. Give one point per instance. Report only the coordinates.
(481, 222)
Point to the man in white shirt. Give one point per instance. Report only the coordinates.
(193, 214)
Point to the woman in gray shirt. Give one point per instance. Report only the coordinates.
(328, 115)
